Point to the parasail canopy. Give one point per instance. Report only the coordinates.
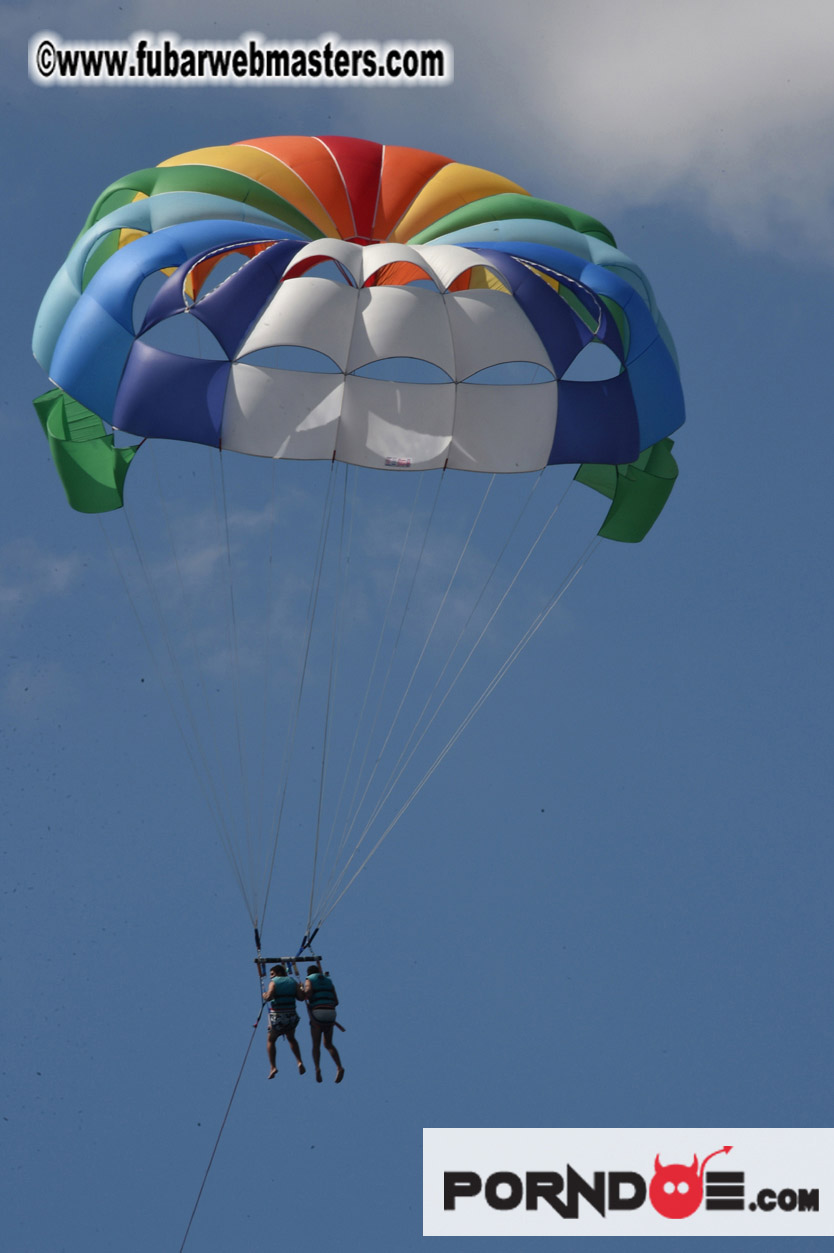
(391, 308)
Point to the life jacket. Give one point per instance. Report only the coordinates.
(283, 997)
(322, 991)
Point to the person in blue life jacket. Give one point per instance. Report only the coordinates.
(281, 996)
(321, 998)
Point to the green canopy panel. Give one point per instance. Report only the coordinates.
(90, 466)
(638, 491)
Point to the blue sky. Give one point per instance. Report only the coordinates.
(610, 905)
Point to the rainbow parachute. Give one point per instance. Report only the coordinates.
(389, 308)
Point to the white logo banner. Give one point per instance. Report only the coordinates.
(592, 1181)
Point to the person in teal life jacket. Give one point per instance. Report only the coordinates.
(321, 998)
(281, 996)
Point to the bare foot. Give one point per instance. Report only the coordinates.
(340, 1074)
(301, 1068)
(273, 1072)
(318, 1076)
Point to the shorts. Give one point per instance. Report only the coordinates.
(280, 1024)
(324, 1015)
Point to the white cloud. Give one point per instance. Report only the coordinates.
(29, 574)
(725, 105)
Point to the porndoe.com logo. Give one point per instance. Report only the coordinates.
(627, 1182)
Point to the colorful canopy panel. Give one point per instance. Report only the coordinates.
(389, 308)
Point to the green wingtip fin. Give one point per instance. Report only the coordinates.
(90, 466)
(637, 491)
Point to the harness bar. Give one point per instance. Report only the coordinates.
(287, 961)
(292, 962)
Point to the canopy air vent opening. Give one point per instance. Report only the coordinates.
(593, 364)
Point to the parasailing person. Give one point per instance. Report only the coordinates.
(281, 995)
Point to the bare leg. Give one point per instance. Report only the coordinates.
(315, 1032)
(270, 1052)
(334, 1053)
(296, 1052)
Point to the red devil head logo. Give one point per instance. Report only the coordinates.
(676, 1191)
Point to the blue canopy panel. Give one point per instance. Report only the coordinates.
(597, 422)
(230, 309)
(96, 339)
(164, 395)
(519, 232)
(152, 213)
(611, 420)
(561, 331)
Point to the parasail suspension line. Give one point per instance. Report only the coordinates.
(417, 664)
(204, 777)
(403, 760)
(356, 807)
(397, 772)
(337, 610)
(222, 1126)
(368, 687)
(537, 623)
(268, 639)
(199, 668)
(311, 616)
(236, 685)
